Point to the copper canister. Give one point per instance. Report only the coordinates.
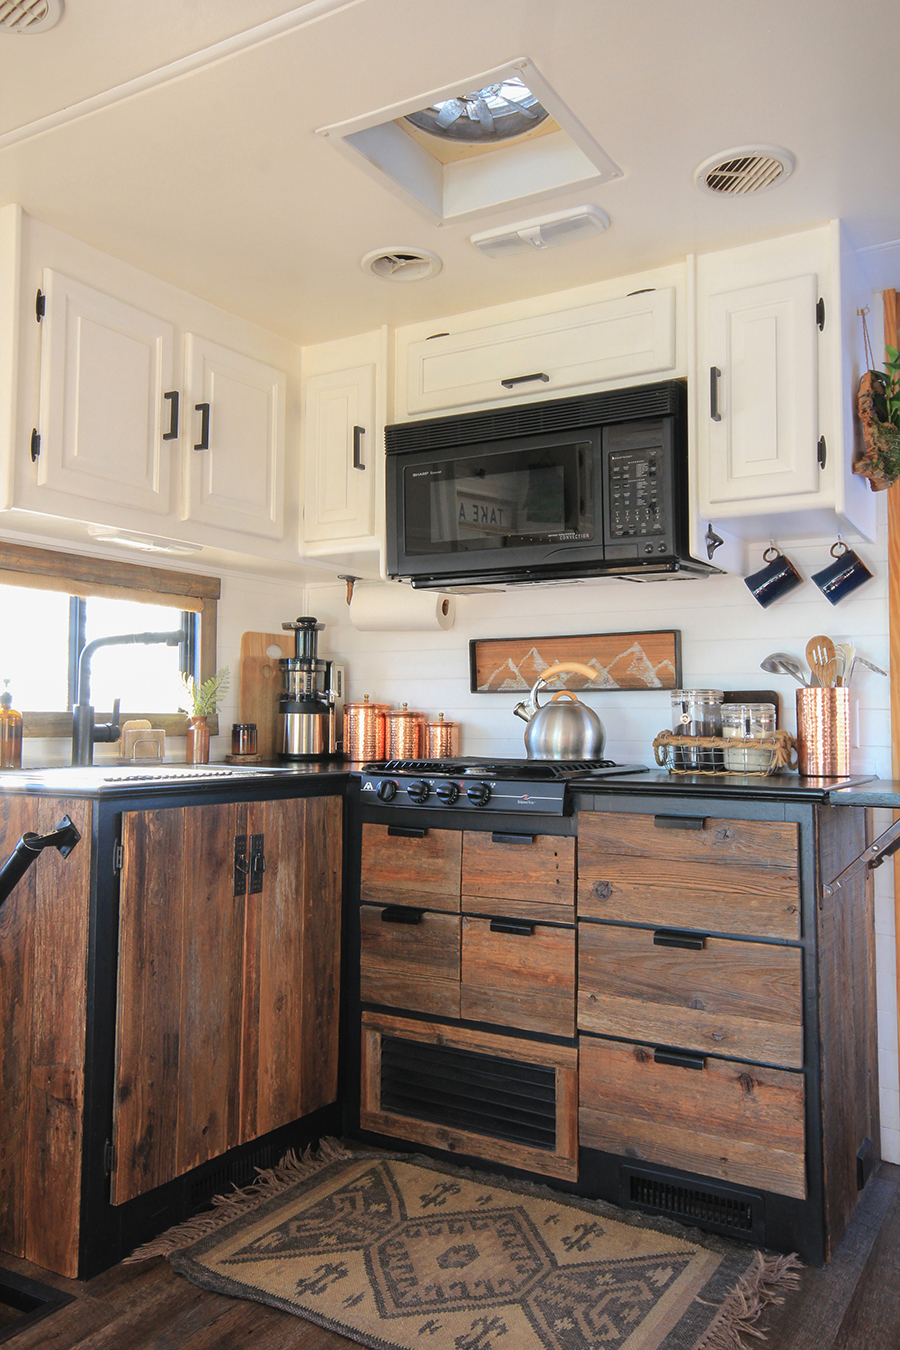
(823, 732)
(404, 733)
(441, 739)
(364, 730)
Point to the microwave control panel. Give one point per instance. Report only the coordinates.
(638, 492)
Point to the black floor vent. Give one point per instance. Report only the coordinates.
(482, 1094)
(726, 1211)
(222, 1179)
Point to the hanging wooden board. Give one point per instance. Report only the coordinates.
(261, 684)
(622, 660)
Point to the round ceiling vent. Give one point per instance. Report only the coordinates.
(400, 264)
(749, 168)
(29, 16)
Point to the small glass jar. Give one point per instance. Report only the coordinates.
(740, 720)
(697, 712)
(243, 738)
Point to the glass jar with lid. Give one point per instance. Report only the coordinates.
(742, 720)
(697, 712)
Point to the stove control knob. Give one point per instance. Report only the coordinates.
(386, 790)
(448, 792)
(418, 791)
(479, 794)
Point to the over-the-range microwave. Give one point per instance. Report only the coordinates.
(590, 486)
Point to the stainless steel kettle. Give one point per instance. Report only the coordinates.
(561, 729)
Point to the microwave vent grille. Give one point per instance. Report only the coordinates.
(535, 419)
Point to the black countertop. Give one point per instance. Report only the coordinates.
(747, 787)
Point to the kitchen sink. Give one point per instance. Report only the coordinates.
(96, 777)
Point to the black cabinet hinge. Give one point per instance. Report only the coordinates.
(118, 857)
(257, 862)
(40, 305)
(821, 452)
(241, 865)
(109, 1157)
(35, 445)
(820, 314)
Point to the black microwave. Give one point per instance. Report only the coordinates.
(590, 486)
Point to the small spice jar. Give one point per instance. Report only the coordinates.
(740, 720)
(243, 738)
(697, 712)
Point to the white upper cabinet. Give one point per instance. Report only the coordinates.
(105, 367)
(615, 340)
(234, 448)
(341, 448)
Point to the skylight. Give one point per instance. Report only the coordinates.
(495, 113)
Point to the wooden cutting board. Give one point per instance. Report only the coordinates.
(261, 684)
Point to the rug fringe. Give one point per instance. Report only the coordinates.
(765, 1282)
(269, 1181)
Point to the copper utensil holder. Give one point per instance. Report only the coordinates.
(442, 739)
(364, 731)
(404, 733)
(823, 732)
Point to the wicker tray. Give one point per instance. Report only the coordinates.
(710, 754)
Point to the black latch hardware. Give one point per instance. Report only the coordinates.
(525, 379)
(679, 822)
(820, 314)
(241, 865)
(35, 445)
(407, 831)
(679, 1059)
(401, 914)
(40, 305)
(674, 937)
(109, 1157)
(498, 837)
(514, 926)
(821, 452)
(257, 862)
(118, 857)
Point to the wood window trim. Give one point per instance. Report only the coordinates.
(47, 569)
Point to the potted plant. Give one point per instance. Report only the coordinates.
(200, 701)
(879, 411)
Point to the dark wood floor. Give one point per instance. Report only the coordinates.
(852, 1304)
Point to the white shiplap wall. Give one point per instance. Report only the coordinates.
(725, 635)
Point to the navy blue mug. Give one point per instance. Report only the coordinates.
(777, 578)
(842, 576)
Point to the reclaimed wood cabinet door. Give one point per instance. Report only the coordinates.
(226, 1023)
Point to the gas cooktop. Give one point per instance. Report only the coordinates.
(492, 784)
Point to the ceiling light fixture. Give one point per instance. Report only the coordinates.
(748, 168)
(561, 227)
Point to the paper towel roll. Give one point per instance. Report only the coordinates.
(397, 608)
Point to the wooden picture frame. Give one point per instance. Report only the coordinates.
(624, 661)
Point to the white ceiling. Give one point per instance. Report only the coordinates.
(160, 134)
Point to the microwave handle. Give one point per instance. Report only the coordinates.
(525, 379)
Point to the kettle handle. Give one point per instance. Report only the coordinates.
(564, 693)
(575, 666)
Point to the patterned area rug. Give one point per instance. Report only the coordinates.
(400, 1252)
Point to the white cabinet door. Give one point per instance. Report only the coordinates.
(105, 367)
(234, 476)
(340, 461)
(763, 399)
(612, 340)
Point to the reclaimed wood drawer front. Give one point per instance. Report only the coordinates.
(729, 998)
(534, 878)
(731, 876)
(402, 870)
(410, 965)
(497, 1097)
(523, 979)
(737, 1122)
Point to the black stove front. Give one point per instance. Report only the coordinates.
(512, 786)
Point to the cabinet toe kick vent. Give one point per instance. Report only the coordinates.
(461, 1089)
(714, 1207)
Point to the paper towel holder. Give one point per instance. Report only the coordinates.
(351, 581)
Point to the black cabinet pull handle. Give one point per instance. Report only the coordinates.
(679, 822)
(525, 379)
(500, 838)
(715, 375)
(407, 831)
(172, 433)
(203, 409)
(401, 914)
(679, 1059)
(514, 926)
(358, 433)
(673, 937)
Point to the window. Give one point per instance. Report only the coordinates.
(54, 603)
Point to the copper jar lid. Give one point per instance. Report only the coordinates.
(442, 739)
(364, 730)
(405, 733)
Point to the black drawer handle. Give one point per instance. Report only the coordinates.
(407, 831)
(172, 433)
(673, 937)
(679, 822)
(499, 838)
(715, 375)
(358, 433)
(401, 914)
(525, 379)
(514, 926)
(679, 1059)
(203, 410)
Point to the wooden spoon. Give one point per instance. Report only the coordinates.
(820, 652)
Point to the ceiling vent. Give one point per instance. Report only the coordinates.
(562, 227)
(29, 16)
(749, 168)
(400, 264)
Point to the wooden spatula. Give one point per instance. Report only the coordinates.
(820, 653)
